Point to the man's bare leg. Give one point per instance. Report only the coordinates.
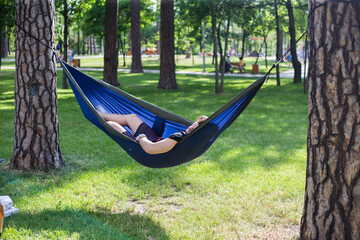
(130, 120)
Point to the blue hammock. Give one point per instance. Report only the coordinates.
(91, 92)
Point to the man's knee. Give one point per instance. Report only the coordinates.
(112, 124)
(133, 117)
(116, 126)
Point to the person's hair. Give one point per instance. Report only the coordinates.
(240, 58)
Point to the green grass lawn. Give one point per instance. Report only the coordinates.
(248, 185)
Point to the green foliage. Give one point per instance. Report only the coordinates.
(300, 9)
(124, 21)
(75, 8)
(7, 17)
(189, 17)
(94, 19)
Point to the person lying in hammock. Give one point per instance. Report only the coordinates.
(145, 135)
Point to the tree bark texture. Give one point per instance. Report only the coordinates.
(295, 62)
(111, 59)
(167, 46)
(36, 140)
(136, 65)
(332, 195)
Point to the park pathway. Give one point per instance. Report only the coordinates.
(286, 74)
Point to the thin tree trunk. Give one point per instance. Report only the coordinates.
(8, 44)
(158, 50)
(233, 32)
(266, 48)
(243, 43)
(136, 65)
(213, 28)
(84, 43)
(225, 48)
(66, 33)
(90, 45)
(167, 57)
(111, 59)
(36, 138)
(295, 62)
(4, 47)
(220, 45)
(281, 38)
(257, 59)
(332, 194)
(203, 44)
(78, 41)
(278, 44)
(94, 45)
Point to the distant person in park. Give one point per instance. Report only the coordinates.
(241, 64)
(289, 58)
(71, 55)
(128, 52)
(227, 64)
(58, 47)
(145, 135)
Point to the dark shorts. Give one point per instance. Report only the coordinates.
(145, 129)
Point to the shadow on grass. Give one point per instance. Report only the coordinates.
(69, 223)
(256, 139)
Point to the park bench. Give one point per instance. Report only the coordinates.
(237, 66)
(149, 51)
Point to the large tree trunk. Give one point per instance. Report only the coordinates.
(136, 65)
(36, 140)
(167, 46)
(332, 195)
(111, 45)
(295, 62)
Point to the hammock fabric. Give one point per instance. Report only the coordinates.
(91, 92)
